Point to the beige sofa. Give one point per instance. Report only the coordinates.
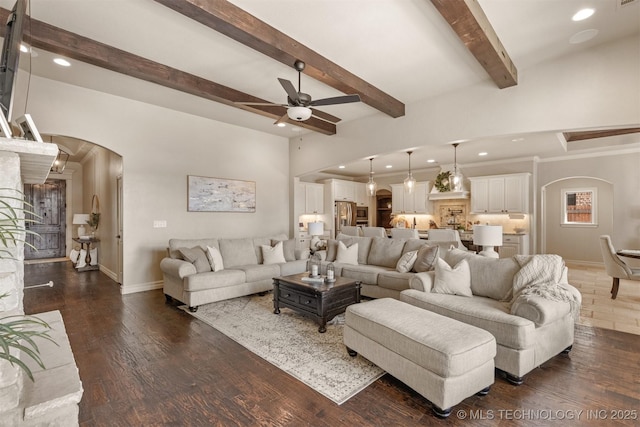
(377, 263)
(529, 329)
(244, 272)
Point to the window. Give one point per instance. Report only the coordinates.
(579, 207)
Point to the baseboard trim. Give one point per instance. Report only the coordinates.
(584, 263)
(140, 287)
(112, 275)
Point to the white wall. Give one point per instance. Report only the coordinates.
(160, 148)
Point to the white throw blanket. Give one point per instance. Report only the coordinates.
(541, 275)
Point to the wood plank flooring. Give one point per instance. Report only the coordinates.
(143, 362)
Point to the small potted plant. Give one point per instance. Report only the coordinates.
(94, 221)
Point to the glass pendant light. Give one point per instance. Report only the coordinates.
(409, 181)
(456, 178)
(371, 185)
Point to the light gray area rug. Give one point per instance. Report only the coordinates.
(292, 343)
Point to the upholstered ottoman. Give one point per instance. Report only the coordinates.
(443, 359)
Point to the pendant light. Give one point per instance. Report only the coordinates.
(61, 159)
(456, 178)
(371, 185)
(409, 181)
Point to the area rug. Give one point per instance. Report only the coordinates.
(292, 343)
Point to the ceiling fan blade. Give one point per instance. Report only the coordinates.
(345, 99)
(290, 89)
(324, 119)
(282, 119)
(325, 116)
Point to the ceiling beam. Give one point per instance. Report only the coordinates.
(602, 133)
(56, 40)
(237, 24)
(468, 21)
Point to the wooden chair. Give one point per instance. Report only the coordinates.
(615, 267)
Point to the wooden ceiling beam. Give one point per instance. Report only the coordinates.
(237, 24)
(56, 40)
(602, 133)
(468, 21)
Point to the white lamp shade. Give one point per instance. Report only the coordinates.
(299, 114)
(80, 219)
(487, 235)
(316, 228)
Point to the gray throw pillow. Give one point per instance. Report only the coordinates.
(288, 247)
(426, 259)
(197, 257)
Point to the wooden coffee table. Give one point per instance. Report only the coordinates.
(320, 301)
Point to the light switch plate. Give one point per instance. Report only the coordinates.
(158, 223)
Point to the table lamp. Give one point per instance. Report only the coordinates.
(81, 220)
(487, 236)
(315, 229)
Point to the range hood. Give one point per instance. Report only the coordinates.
(449, 195)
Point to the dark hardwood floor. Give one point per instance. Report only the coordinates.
(143, 362)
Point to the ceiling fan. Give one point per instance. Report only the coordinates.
(299, 103)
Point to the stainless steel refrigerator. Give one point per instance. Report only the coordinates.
(345, 215)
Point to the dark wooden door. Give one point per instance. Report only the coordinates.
(49, 202)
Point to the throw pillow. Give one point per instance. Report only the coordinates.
(452, 280)
(347, 255)
(215, 258)
(406, 261)
(273, 254)
(426, 258)
(197, 257)
(288, 247)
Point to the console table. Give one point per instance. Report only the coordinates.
(87, 258)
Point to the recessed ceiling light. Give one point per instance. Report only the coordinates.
(341, 167)
(582, 14)
(63, 62)
(281, 125)
(483, 153)
(431, 161)
(517, 139)
(389, 166)
(583, 36)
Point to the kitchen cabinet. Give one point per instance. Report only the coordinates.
(514, 244)
(314, 198)
(362, 198)
(343, 190)
(414, 203)
(500, 194)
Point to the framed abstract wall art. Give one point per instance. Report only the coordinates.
(220, 195)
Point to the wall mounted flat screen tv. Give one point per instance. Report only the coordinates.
(11, 56)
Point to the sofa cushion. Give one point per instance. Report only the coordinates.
(293, 267)
(414, 245)
(347, 255)
(426, 258)
(362, 273)
(391, 279)
(364, 246)
(273, 254)
(510, 331)
(215, 258)
(288, 247)
(238, 252)
(175, 244)
(211, 280)
(196, 256)
(406, 261)
(452, 280)
(257, 272)
(385, 252)
(490, 277)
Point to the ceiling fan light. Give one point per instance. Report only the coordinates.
(299, 114)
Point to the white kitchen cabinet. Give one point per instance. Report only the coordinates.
(343, 190)
(500, 194)
(415, 203)
(314, 198)
(514, 244)
(362, 198)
